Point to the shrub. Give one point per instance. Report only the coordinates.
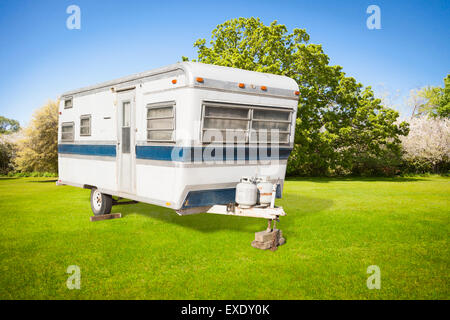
(33, 174)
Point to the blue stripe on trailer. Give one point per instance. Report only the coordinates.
(205, 198)
(193, 154)
(88, 149)
(165, 153)
(181, 154)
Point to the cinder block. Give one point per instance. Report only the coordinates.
(267, 244)
(263, 236)
(261, 245)
(265, 239)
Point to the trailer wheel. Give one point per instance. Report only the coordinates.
(100, 203)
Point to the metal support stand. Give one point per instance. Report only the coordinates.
(270, 238)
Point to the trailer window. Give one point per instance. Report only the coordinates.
(231, 124)
(126, 126)
(85, 125)
(265, 121)
(225, 124)
(67, 131)
(68, 103)
(160, 122)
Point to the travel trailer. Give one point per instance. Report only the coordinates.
(190, 136)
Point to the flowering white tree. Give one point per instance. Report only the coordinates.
(428, 141)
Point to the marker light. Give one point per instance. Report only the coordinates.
(241, 85)
(199, 79)
(297, 93)
(174, 81)
(264, 88)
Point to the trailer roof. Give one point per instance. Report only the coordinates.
(239, 75)
(196, 69)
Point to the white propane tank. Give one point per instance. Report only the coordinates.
(264, 191)
(246, 193)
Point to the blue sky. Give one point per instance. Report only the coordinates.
(40, 58)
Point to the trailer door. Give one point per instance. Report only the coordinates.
(126, 151)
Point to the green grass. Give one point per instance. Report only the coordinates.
(335, 229)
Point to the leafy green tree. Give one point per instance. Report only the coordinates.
(341, 127)
(38, 151)
(7, 148)
(8, 125)
(443, 110)
(6, 156)
(436, 100)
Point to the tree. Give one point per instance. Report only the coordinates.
(6, 156)
(415, 101)
(427, 146)
(7, 148)
(341, 127)
(433, 101)
(38, 151)
(8, 125)
(443, 109)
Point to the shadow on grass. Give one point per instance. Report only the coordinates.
(362, 179)
(206, 222)
(304, 206)
(43, 181)
(8, 178)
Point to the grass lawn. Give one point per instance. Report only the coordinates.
(335, 229)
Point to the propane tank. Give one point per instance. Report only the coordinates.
(264, 191)
(246, 193)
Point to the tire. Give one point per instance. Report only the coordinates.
(100, 203)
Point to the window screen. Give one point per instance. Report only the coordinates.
(126, 126)
(160, 123)
(221, 124)
(126, 139)
(266, 123)
(85, 125)
(68, 103)
(67, 131)
(231, 124)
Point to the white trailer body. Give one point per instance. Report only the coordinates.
(142, 137)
